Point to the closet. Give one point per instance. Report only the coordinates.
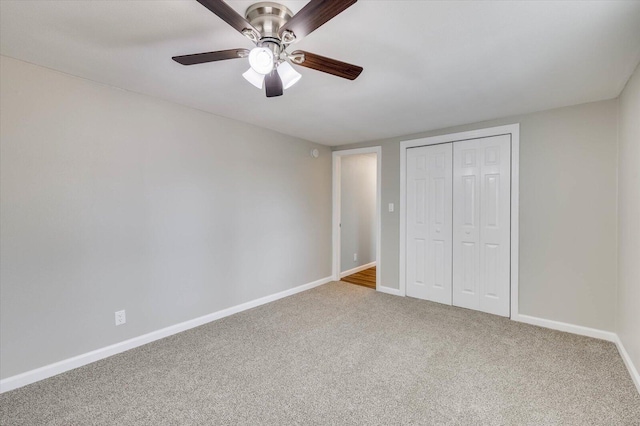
(458, 223)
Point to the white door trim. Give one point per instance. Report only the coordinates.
(337, 156)
(514, 131)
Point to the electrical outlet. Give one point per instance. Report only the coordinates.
(121, 318)
(355, 257)
(391, 207)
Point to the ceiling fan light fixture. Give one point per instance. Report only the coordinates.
(273, 28)
(254, 78)
(261, 60)
(288, 75)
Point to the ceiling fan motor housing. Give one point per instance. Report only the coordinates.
(268, 18)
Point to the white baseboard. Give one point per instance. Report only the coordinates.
(357, 269)
(56, 368)
(569, 328)
(50, 370)
(589, 332)
(633, 371)
(389, 290)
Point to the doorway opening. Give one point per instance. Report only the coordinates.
(356, 216)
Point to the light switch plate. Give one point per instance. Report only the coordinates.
(391, 207)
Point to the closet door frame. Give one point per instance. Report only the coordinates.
(513, 130)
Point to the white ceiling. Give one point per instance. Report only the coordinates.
(427, 64)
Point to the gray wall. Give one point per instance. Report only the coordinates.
(358, 178)
(568, 167)
(112, 200)
(628, 312)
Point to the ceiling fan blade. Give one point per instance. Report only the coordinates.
(220, 55)
(314, 15)
(328, 65)
(227, 14)
(273, 83)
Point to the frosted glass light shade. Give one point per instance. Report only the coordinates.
(261, 60)
(254, 78)
(288, 75)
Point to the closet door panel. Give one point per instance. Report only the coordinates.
(416, 249)
(466, 219)
(482, 224)
(429, 220)
(495, 221)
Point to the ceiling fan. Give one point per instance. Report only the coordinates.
(272, 27)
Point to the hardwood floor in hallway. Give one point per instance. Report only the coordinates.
(366, 278)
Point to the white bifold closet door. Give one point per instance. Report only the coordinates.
(429, 219)
(458, 245)
(482, 224)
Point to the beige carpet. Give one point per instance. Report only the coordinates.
(344, 354)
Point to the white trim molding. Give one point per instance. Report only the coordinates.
(566, 327)
(389, 290)
(514, 131)
(357, 269)
(589, 332)
(633, 371)
(336, 174)
(56, 368)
